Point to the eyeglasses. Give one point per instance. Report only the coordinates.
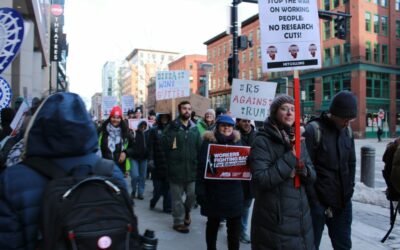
(287, 109)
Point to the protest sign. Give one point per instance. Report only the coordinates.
(227, 162)
(133, 123)
(172, 84)
(108, 102)
(250, 100)
(19, 118)
(200, 104)
(127, 103)
(290, 35)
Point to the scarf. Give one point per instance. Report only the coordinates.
(222, 139)
(114, 136)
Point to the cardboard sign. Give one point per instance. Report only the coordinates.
(108, 102)
(290, 35)
(200, 104)
(133, 123)
(127, 103)
(172, 84)
(227, 163)
(251, 100)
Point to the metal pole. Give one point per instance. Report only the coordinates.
(368, 166)
(234, 23)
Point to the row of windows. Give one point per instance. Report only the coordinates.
(331, 4)
(250, 75)
(381, 24)
(337, 55)
(329, 28)
(380, 53)
(223, 66)
(384, 3)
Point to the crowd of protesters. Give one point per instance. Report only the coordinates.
(174, 150)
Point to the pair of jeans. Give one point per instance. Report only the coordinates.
(234, 227)
(245, 214)
(161, 188)
(180, 207)
(339, 225)
(138, 176)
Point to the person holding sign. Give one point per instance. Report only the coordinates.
(220, 198)
(281, 214)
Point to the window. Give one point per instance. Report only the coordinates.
(376, 1)
(190, 66)
(243, 75)
(346, 52)
(376, 24)
(397, 28)
(225, 49)
(367, 21)
(308, 86)
(377, 85)
(251, 55)
(243, 56)
(384, 3)
(327, 57)
(259, 74)
(259, 52)
(385, 55)
(251, 76)
(336, 54)
(368, 51)
(258, 33)
(397, 5)
(333, 84)
(251, 36)
(327, 4)
(384, 22)
(327, 30)
(335, 3)
(398, 57)
(376, 52)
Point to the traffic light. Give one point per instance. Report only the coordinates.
(340, 27)
(230, 70)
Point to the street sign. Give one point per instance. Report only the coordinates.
(250, 100)
(290, 35)
(172, 84)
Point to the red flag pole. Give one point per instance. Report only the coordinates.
(297, 122)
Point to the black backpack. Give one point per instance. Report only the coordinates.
(85, 212)
(391, 194)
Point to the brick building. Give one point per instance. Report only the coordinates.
(367, 63)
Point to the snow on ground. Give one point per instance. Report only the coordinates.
(369, 195)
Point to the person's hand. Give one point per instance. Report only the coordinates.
(122, 157)
(301, 169)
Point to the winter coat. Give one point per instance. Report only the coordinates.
(120, 147)
(218, 198)
(395, 174)
(157, 153)
(281, 214)
(181, 146)
(334, 160)
(138, 145)
(58, 133)
(203, 127)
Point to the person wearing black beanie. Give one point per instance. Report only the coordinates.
(330, 144)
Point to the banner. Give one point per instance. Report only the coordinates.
(11, 35)
(250, 100)
(127, 103)
(108, 102)
(56, 32)
(290, 35)
(172, 84)
(227, 162)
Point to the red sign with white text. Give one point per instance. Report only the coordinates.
(225, 162)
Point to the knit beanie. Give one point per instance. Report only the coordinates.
(344, 105)
(277, 102)
(116, 111)
(210, 111)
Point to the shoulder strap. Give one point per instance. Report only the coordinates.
(393, 213)
(45, 167)
(103, 167)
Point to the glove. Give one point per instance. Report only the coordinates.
(301, 169)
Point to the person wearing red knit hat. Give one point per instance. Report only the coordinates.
(113, 138)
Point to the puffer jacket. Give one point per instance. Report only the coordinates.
(218, 198)
(181, 147)
(281, 214)
(62, 131)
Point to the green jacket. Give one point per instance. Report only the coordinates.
(181, 147)
(203, 127)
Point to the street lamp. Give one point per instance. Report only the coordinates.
(207, 68)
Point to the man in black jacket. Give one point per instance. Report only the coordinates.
(330, 144)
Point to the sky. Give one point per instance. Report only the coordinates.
(106, 30)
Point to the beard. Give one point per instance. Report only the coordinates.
(185, 116)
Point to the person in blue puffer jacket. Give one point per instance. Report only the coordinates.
(60, 130)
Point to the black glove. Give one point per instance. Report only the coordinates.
(301, 169)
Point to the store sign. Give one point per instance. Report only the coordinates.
(11, 36)
(56, 33)
(290, 35)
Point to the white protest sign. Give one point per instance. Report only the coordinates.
(290, 35)
(172, 84)
(250, 100)
(108, 102)
(19, 118)
(134, 123)
(127, 103)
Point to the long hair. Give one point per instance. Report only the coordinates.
(122, 125)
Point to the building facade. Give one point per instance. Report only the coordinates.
(110, 83)
(95, 110)
(367, 63)
(144, 64)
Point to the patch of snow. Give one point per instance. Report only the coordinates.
(369, 195)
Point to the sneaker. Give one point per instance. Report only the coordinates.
(244, 238)
(181, 229)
